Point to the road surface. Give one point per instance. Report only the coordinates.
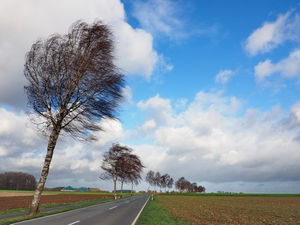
(121, 212)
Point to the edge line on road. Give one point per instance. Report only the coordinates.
(138, 215)
(74, 222)
(73, 210)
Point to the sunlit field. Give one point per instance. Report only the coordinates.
(229, 210)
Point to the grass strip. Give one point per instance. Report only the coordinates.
(233, 194)
(67, 192)
(18, 210)
(154, 214)
(23, 218)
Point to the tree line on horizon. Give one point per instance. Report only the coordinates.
(155, 179)
(17, 181)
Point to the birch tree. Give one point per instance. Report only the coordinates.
(72, 82)
(112, 164)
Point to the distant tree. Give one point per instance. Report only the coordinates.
(182, 184)
(150, 178)
(131, 168)
(72, 83)
(170, 183)
(200, 189)
(192, 187)
(17, 181)
(112, 164)
(135, 179)
(164, 181)
(157, 180)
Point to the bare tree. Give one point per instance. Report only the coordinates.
(192, 187)
(134, 178)
(72, 83)
(164, 180)
(182, 184)
(170, 183)
(157, 180)
(201, 189)
(112, 163)
(131, 168)
(150, 178)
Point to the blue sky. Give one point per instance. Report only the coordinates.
(209, 38)
(212, 91)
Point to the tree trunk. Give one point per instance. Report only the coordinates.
(131, 187)
(115, 188)
(45, 171)
(122, 182)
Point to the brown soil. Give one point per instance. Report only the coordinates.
(213, 210)
(25, 201)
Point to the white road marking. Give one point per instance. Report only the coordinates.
(136, 218)
(113, 207)
(74, 222)
(127, 201)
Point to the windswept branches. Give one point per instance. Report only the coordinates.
(72, 79)
(131, 168)
(120, 164)
(150, 178)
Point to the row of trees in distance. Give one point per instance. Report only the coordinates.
(155, 179)
(183, 185)
(120, 164)
(158, 180)
(17, 181)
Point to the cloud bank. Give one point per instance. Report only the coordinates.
(22, 23)
(213, 140)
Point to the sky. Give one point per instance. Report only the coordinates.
(212, 91)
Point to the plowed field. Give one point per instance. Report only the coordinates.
(215, 210)
(24, 201)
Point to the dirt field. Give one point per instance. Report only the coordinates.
(14, 194)
(215, 210)
(24, 201)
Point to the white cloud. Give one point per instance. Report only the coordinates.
(148, 126)
(16, 133)
(272, 34)
(296, 112)
(158, 108)
(288, 67)
(159, 17)
(112, 132)
(224, 76)
(135, 54)
(32, 20)
(208, 142)
(127, 94)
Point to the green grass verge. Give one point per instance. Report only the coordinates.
(233, 194)
(154, 214)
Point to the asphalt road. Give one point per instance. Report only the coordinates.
(121, 212)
